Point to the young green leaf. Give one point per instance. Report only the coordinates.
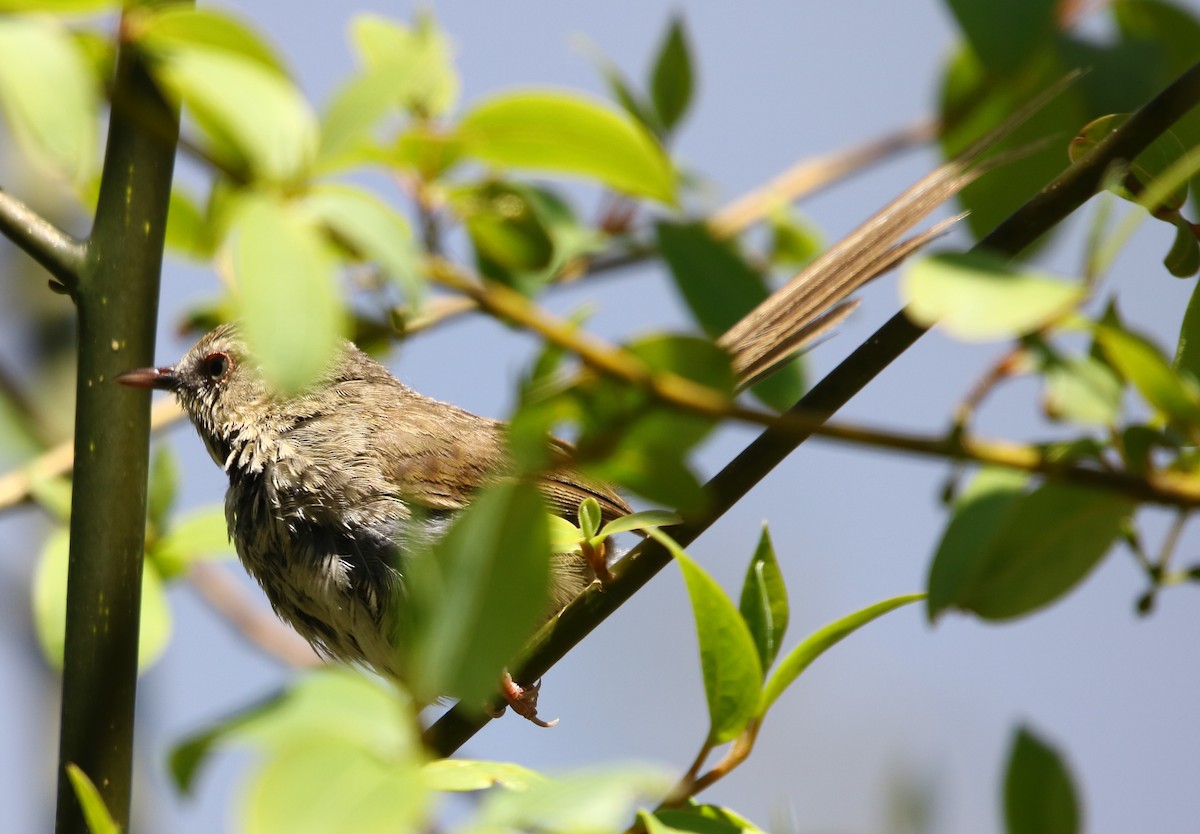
(1039, 794)
(479, 595)
(373, 230)
(1083, 391)
(50, 605)
(816, 644)
(285, 276)
(467, 775)
(733, 675)
(569, 134)
(199, 536)
(584, 802)
(321, 785)
(720, 287)
(1138, 360)
(417, 61)
(95, 812)
(980, 297)
(1187, 351)
(257, 119)
(175, 28)
(162, 487)
(698, 819)
(188, 230)
(644, 520)
(1183, 259)
(1007, 553)
(48, 96)
(589, 517)
(331, 704)
(671, 79)
(764, 603)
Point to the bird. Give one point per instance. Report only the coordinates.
(328, 486)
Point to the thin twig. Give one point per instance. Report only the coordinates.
(812, 175)
(16, 486)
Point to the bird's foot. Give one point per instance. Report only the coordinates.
(597, 559)
(523, 700)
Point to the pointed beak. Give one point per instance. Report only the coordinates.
(163, 379)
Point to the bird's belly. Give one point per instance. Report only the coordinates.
(337, 587)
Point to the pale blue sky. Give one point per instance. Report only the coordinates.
(777, 82)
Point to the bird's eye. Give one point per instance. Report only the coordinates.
(216, 365)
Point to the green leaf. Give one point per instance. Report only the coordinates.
(720, 287)
(524, 236)
(49, 96)
(572, 135)
(1138, 360)
(1039, 795)
(764, 603)
(417, 61)
(981, 297)
(50, 605)
(473, 775)
(589, 517)
(584, 802)
(53, 494)
(1146, 168)
(258, 120)
(699, 819)
(1083, 391)
(1187, 352)
(322, 785)
(163, 486)
(95, 812)
(331, 704)
(717, 283)
(1007, 553)
(1005, 35)
(188, 231)
(373, 230)
(974, 102)
(644, 520)
(1183, 259)
(287, 296)
(174, 28)
(57, 6)
(733, 676)
(479, 595)
(794, 240)
(671, 79)
(816, 644)
(199, 536)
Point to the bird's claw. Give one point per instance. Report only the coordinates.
(523, 700)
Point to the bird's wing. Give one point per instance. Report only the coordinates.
(439, 461)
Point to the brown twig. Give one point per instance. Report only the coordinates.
(16, 486)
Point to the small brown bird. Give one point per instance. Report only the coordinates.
(327, 487)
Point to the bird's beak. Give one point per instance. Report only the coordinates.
(163, 379)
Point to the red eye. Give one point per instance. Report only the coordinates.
(216, 365)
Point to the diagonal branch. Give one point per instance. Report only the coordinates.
(1055, 202)
(58, 252)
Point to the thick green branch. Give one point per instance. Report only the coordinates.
(58, 252)
(117, 301)
(1061, 197)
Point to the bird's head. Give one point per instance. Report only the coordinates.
(219, 386)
